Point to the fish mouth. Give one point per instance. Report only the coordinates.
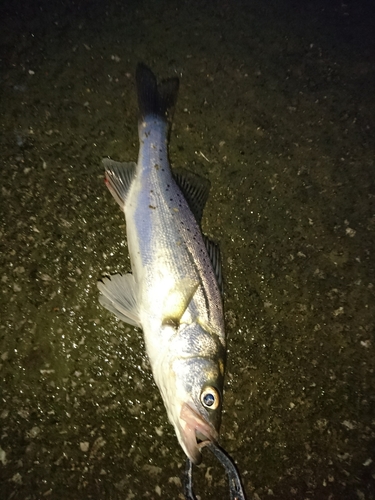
(196, 432)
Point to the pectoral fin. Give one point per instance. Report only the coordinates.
(119, 295)
(178, 300)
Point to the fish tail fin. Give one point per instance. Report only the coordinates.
(153, 98)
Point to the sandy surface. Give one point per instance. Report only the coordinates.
(276, 108)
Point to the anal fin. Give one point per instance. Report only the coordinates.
(118, 177)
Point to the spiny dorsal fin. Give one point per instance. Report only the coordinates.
(215, 257)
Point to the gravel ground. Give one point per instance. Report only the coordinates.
(276, 108)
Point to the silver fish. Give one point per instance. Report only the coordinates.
(173, 293)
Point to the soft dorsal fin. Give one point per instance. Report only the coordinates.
(195, 189)
(118, 177)
(120, 296)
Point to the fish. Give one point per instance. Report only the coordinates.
(174, 291)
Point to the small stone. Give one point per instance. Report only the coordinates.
(85, 445)
(3, 456)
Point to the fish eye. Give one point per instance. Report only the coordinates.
(210, 398)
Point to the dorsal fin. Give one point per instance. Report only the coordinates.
(195, 190)
(215, 257)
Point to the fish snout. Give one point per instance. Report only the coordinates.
(195, 431)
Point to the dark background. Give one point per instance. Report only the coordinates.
(276, 108)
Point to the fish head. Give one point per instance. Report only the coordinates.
(199, 416)
(192, 387)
